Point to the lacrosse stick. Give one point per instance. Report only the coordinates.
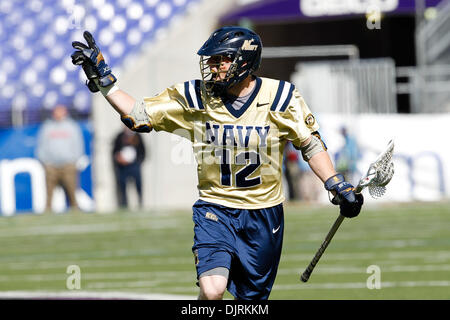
(377, 177)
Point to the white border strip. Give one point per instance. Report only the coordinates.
(91, 295)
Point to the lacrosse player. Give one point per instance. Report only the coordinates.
(239, 124)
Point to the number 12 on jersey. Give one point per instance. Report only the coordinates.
(249, 159)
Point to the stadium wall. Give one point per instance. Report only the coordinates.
(168, 181)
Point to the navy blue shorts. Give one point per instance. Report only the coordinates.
(246, 242)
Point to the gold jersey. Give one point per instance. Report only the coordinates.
(239, 153)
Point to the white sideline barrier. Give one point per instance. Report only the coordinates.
(421, 158)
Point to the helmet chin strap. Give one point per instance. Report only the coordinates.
(231, 75)
(218, 90)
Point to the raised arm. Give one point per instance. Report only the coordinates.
(100, 78)
(121, 101)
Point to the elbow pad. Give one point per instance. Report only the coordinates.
(137, 120)
(315, 146)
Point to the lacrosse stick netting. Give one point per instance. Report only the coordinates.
(379, 174)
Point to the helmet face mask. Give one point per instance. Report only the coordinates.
(238, 46)
(215, 75)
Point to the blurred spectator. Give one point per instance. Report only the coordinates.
(60, 144)
(303, 184)
(347, 158)
(309, 185)
(292, 171)
(128, 155)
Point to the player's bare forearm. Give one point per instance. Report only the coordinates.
(322, 166)
(121, 101)
(342, 191)
(131, 114)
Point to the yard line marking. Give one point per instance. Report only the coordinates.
(64, 259)
(362, 285)
(86, 228)
(73, 258)
(183, 275)
(362, 243)
(349, 269)
(47, 265)
(372, 255)
(118, 285)
(188, 276)
(76, 256)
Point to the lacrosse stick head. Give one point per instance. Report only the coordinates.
(379, 174)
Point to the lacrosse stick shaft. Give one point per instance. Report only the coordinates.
(307, 273)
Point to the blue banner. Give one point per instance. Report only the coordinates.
(22, 176)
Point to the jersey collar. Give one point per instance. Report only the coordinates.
(240, 112)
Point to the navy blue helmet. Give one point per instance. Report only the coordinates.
(240, 45)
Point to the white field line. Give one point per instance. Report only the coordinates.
(86, 228)
(91, 295)
(102, 275)
(77, 256)
(362, 270)
(45, 265)
(425, 233)
(433, 255)
(189, 276)
(94, 263)
(341, 285)
(58, 229)
(362, 285)
(63, 260)
(121, 285)
(392, 243)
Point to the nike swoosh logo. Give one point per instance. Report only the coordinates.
(260, 104)
(275, 230)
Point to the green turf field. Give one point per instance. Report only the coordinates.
(150, 253)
